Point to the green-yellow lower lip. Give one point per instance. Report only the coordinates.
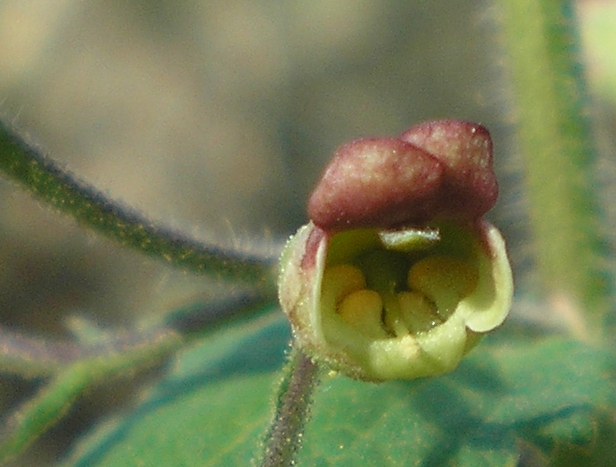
(403, 308)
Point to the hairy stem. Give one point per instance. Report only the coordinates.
(74, 368)
(32, 357)
(193, 321)
(292, 408)
(555, 139)
(58, 187)
(54, 400)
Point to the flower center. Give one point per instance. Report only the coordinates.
(390, 294)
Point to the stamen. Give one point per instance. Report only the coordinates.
(363, 309)
(418, 312)
(339, 281)
(385, 272)
(443, 279)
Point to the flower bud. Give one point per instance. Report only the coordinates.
(397, 276)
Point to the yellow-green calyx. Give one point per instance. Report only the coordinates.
(377, 304)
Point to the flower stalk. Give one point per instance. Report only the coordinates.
(284, 437)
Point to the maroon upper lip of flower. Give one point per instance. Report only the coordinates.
(434, 170)
(469, 188)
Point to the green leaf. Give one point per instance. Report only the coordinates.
(214, 408)
(31, 419)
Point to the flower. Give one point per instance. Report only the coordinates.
(397, 275)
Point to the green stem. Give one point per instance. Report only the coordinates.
(292, 407)
(556, 143)
(194, 321)
(30, 357)
(59, 188)
(75, 368)
(32, 419)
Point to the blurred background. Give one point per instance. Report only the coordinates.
(216, 118)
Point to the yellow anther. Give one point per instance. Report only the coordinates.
(363, 309)
(444, 280)
(339, 281)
